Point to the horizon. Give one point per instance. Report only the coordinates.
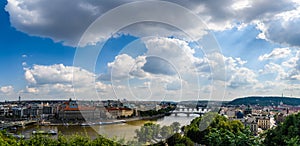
(153, 50)
(251, 96)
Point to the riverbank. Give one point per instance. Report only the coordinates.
(106, 122)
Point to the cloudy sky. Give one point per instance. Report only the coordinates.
(153, 50)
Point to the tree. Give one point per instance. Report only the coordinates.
(220, 131)
(166, 131)
(175, 126)
(45, 140)
(286, 133)
(147, 132)
(176, 140)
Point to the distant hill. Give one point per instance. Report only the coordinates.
(265, 101)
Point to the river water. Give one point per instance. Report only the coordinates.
(124, 130)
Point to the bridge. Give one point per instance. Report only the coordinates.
(16, 124)
(188, 111)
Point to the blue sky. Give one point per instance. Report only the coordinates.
(258, 50)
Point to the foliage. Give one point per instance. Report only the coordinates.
(7, 139)
(44, 140)
(286, 133)
(175, 126)
(153, 133)
(156, 112)
(176, 140)
(219, 131)
(265, 101)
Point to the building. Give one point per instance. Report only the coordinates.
(70, 110)
(248, 110)
(17, 112)
(31, 111)
(252, 124)
(239, 114)
(122, 112)
(264, 123)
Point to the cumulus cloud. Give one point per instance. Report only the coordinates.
(157, 65)
(176, 52)
(277, 53)
(273, 68)
(62, 81)
(173, 69)
(243, 77)
(124, 66)
(288, 69)
(7, 89)
(283, 27)
(60, 20)
(167, 56)
(65, 21)
(235, 75)
(168, 67)
(58, 73)
(294, 72)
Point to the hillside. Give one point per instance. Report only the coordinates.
(265, 101)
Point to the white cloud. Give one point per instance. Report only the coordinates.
(277, 53)
(242, 78)
(47, 19)
(283, 28)
(293, 67)
(177, 53)
(30, 90)
(288, 69)
(7, 89)
(60, 81)
(273, 68)
(57, 73)
(124, 66)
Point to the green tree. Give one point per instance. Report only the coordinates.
(176, 140)
(166, 131)
(41, 140)
(294, 141)
(148, 132)
(175, 126)
(102, 141)
(219, 131)
(286, 133)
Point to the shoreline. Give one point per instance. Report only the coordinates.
(107, 122)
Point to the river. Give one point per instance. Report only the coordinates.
(124, 130)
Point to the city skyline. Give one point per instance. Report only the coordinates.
(258, 43)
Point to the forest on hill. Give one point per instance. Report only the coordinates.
(265, 101)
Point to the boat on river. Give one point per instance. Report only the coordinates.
(42, 132)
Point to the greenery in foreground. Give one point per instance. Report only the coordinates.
(219, 131)
(44, 140)
(286, 133)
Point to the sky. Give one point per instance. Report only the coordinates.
(149, 50)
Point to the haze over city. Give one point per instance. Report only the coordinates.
(45, 50)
